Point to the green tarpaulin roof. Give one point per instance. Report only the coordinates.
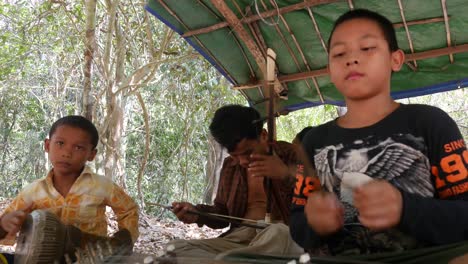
(234, 35)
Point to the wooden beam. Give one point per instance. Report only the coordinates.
(205, 29)
(419, 22)
(437, 52)
(253, 18)
(288, 78)
(255, 31)
(237, 26)
(323, 72)
(263, 15)
(287, 9)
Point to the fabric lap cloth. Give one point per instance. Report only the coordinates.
(84, 206)
(274, 239)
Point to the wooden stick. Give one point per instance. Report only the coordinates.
(408, 35)
(304, 60)
(220, 217)
(447, 27)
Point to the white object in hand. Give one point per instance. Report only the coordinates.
(304, 258)
(354, 179)
(349, 182)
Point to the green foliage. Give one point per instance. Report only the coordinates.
(288, 126)
(21, 139)
(455, 103)
(180, 109)
(37, 84)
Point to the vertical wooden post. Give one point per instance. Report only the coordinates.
(270, 91)
(271, 77)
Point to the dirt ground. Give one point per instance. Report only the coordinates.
(154, 233)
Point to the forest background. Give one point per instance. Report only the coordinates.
(148, 92)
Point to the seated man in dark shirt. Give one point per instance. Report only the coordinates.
(241, 191)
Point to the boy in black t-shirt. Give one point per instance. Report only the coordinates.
(393, 177)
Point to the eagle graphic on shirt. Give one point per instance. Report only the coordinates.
(399, 160)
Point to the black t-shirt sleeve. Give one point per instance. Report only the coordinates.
(447, 155)
(306, 182)
(442, 219)
(300, 230)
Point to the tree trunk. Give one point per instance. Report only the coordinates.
(115, 147)
(90, 43)
(6, 136)
(145, 154)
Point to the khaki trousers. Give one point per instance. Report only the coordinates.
(273, 240)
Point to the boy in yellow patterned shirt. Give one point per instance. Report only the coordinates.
(71, 191)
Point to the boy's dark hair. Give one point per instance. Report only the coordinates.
(78, 122)
(232, 123)
(385, 25)
(300, 136)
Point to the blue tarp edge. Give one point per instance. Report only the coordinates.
(195, 46)
(431, 89)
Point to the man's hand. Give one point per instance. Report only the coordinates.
(13, 221)
(379, 204)
(181, 211)
(268, 166)
(324, 213)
